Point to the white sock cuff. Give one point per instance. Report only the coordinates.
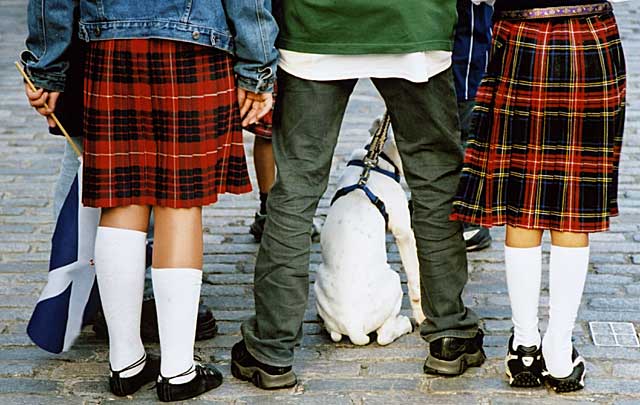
(177, 273)
(122, 233)
(561, 250)
(536, 250)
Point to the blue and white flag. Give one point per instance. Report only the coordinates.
(70, 297)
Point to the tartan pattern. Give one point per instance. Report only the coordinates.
(264, 127)
(547, 127)
(161, 124)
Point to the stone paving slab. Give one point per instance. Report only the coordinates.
(329, 373)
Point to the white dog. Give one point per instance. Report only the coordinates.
(357, 291)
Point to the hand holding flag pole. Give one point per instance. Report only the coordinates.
(53, 115)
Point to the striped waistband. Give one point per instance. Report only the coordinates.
(554, 12)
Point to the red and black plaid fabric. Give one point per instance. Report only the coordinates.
(547, 127)
(264, 127)
(161, 125)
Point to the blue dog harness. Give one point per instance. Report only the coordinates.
(362, 184)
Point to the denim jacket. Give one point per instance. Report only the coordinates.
(244, 28)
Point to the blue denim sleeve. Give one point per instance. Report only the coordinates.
(255, 31)
(51, 30)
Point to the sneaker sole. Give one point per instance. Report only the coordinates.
(261, 379)
(525, 379)
(453, 367)
(569, 386)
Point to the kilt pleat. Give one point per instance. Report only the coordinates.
(547, 127)
(161, 125)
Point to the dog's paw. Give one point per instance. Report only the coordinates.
(335, 336)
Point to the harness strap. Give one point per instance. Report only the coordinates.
(379, 204)
(360, 163)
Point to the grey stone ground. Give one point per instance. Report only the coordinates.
(329, 373)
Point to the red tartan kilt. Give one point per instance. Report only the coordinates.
(547, 127)
(161, 125)
(264, 127)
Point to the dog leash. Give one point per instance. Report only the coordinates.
(375, 148)
(370, 163)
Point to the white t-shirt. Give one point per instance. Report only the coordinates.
(417, 67)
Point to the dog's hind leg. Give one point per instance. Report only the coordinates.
(406, 242)
(400, 226)
(358, 337)
(393, 328)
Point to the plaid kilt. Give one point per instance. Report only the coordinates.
(547, 127)
(161, 125)
(264, 127)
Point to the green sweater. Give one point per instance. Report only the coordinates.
(356, 27)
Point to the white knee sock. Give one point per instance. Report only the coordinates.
(120, 265)
(524, 270)
(567, 274)
(177, 293)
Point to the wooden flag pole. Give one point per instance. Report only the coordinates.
(53, 115)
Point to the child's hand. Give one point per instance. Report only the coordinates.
(39, 98)
(253, 106)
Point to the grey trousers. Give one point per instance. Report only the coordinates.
(307, 120)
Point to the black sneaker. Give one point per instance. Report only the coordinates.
(453, 355)
(574, 382)
(524, 365)
(246, 368)
(257, 227)
(123, 386)
(476, 237)
(206, 327)
(207, 378)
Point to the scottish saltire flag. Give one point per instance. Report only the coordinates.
(70, 297)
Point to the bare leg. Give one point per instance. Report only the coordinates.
(569, 239)
(264, 163)
(178, 238)
(132, 217)
(523, 238)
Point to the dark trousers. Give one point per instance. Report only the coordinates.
(307, 120)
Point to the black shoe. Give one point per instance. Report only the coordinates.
(207, 378)
(574, 382)
(206, 327)
(246, 368)
(257, 227)
(453, 355)
(523, 366)
(123, 386)
(476, 237)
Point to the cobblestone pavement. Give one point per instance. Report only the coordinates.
(329, 373)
